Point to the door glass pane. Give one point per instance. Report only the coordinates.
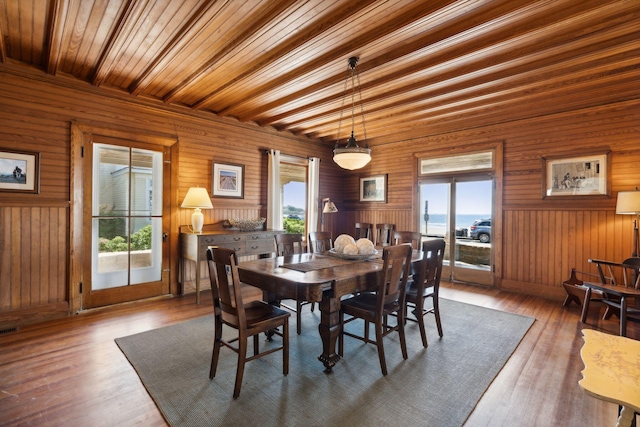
(126, 216)
(111, 265)
(435, 205)
(473, 224)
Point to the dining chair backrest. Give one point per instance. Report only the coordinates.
(384, 234)
(397, 265)
(289, 244)
(227, 297)
(429, 271)
(412, 237)
(364, 230)
(320, 241)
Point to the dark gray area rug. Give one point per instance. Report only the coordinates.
(436, 386)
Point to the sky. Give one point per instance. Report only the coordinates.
(294, 194)
(472, 197)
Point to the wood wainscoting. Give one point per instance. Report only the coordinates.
(33, 263)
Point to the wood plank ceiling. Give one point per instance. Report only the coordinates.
(432, 65)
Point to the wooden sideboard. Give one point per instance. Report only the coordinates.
(193, 246)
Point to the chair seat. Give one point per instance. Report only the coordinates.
(260, 313)
(363, 305)
(412, 292)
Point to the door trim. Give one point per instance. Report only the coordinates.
(81, 133)
(498, 149)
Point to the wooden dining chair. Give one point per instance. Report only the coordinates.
(291, 244)
(375, 307)
(250, 319)
(320, 241)
(364, 230)
(426, 284)
(412, 237)
(384, 234)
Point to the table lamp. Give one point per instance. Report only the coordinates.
(197, 198)
(328, 207)
(629, 204)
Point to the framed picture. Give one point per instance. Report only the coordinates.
(19, 171)
(570, 177)
(373, 189)
(228, 180)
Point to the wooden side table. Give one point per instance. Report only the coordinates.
(612, 371)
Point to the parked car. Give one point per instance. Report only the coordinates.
(462, 232)
(481, 230)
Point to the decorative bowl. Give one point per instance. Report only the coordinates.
(247, 224)
(333, 252)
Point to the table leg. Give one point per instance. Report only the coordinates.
(329, 329)
(626, 418)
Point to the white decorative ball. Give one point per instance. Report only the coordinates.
(342, 241)
(365, 246)
(350, 249)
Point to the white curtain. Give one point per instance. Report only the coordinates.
(274, 196)
(313, 186)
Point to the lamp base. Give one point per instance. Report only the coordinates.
(197, 221)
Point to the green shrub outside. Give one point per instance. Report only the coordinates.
(140, 240)
(292, 225)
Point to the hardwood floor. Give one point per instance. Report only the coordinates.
(70, 371)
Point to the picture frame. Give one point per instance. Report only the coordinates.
(19, 171)
(228, 180)
(373, 189)
(569, 177)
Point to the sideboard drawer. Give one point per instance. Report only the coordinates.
(260, 246)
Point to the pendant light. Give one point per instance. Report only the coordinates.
(352, 156)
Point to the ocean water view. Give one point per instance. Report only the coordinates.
(437, 224)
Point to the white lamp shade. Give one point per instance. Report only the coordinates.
(628, 202)
(348, 158)
(197, 198)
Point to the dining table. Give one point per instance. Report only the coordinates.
(316, 277)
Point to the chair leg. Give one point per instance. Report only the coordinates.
(403, 339)
(216, 349)
(285, 348)
(313, 306)
(423, 331)
(585, 305)
(341, 336)
(298, 317)
(242, 356)
(256, 345)
(380, 345)
(436, 313)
